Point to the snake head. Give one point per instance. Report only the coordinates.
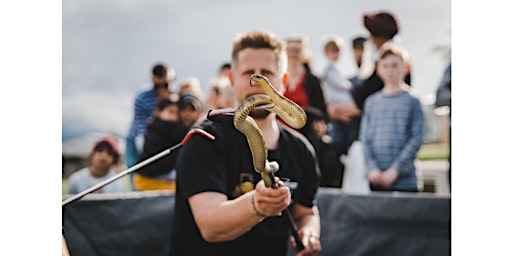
(258, 79)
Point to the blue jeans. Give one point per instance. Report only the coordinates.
(343, 134)
(131, 156)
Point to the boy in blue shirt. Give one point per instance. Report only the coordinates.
(392, 127)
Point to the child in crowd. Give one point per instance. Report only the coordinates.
(104, 156)
(337, 88)
(392, 127)
(315, 131)
(190, 109)
(164, 130)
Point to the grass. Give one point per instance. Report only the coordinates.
(434, 152)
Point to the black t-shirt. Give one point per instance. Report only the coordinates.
(160, 135)
(225, 166)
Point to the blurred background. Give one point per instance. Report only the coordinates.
(109, 47)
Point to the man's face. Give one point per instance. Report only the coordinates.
(160, 81)
(255, 61)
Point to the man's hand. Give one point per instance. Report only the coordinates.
(310, 240)
(271, 201)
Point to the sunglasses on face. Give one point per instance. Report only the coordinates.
(162, 85)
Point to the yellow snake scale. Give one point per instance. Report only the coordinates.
(288, 110)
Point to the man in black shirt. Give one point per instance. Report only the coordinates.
(222, 206)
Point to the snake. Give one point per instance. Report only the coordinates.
(289, 111)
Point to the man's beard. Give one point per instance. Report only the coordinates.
(259, 113)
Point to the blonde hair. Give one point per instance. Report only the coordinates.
(333, 41)
(394, 49)
(304, 42)
(260, 39)
(191, 85)
(220, 90)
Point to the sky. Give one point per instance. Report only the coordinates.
(109, 47)
(36, 95)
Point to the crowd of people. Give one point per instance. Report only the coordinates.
(218, 179)
(334, 103)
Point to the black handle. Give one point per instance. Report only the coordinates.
(289, 218)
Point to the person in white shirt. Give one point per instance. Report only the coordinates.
(104, 156)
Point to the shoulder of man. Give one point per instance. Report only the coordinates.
(296, 138)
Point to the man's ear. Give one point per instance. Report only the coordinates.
(230, 77)
(286, 77)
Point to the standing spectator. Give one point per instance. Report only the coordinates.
(190, 109)
(315, 130)
(383, 27)
(302, 87)
(164, 131)
(103, 158)
(222, 205)
(145, 101)
(337, 92)
(357, 52)
(392, 128)
(224, 70)
(220, 94)
(444, 91)
(444, 98)
(191, 85)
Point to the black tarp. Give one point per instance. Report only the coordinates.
(132, 224)
(140, 223)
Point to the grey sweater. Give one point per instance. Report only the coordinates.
(392, 133)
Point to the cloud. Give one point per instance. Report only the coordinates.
(98, 111)
(110, 46)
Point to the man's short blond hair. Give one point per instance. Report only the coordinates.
(260, 39)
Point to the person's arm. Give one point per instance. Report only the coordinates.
(444, 94)
(365, 130)
(413, 144)
(342, 111)
(65, 251)
(315, 93)
(308, 224)
(444, 91)
(220, 219)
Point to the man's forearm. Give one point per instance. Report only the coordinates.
(307, 218)
(219, 219)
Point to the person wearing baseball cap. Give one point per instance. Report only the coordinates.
(104, 156)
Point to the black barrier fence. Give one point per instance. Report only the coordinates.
(140, 223)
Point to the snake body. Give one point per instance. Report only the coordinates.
(288, 110)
